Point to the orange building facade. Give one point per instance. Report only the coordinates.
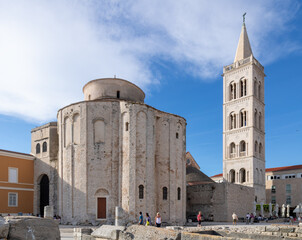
(16, 182)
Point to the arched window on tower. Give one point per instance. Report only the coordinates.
(44, 147)
(260, 148)
(141, 192)
(245, 87)
(243, 116)
(38, 148)
(260, 120)
(232, 176)
(232, 120)
(242, 87)
(165, 193)
(232, 89)
(242, 148)
(232, 150)
(255, 117)
(255, 87)
(259, 90)
(256, 146)
(242, 175)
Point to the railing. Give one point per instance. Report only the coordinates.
(242, 154)
(229, 67)
(242, 62)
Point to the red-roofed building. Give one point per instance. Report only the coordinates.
(284, 185)
(217, 178)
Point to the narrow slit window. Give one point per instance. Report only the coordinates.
(127, 126)
(141, 192)
(118, 94)
(165, 193)
(178, 193)
(177, 135)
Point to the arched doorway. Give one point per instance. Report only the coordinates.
(44, 193)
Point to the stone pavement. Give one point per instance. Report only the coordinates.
(67, 230)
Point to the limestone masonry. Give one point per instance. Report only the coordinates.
(243, 120)
(111, 150)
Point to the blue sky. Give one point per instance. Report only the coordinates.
(174, 51)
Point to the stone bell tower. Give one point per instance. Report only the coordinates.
(243, 120)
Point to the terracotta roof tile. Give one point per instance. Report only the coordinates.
(217, 175)
(276, 169)
(15, 152)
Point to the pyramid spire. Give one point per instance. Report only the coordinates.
(244, 49)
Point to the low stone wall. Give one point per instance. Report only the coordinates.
(262, 232)
(218, 201)
(136, 232)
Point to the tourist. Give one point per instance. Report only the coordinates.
(199, 219)
(141, 219)
(235, 218)
(252, 218)
(158, 220)
(247, 218)
(148, 220)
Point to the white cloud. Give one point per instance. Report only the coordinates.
(50, 49)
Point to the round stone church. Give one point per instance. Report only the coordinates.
(111, 150)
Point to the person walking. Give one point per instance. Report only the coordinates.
(158, 220)
(148, 220)
(199, 216)
(235, 218)
(141, 219)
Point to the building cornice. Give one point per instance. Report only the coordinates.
(19, 155)
(121, 100)
(241, 99)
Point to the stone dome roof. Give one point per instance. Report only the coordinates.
(113, 88)
(195, 175)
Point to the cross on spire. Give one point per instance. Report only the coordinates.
(244, 18)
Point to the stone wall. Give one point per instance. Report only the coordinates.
(108, 148)
(218, 201)
(45, 162)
